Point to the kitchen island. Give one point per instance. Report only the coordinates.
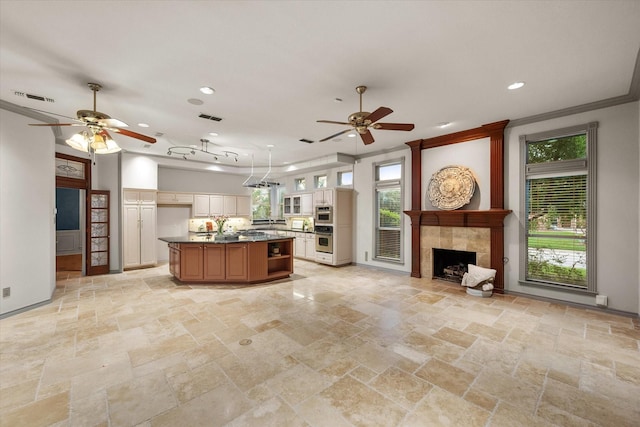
(237, 259)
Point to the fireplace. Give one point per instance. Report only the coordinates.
(450, 265)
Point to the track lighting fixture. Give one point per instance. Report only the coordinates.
(185, 151)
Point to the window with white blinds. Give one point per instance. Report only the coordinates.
(559, 190)
(388, 212)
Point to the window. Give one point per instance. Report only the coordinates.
(299, 184)
(345, 178)
(388, 212)
(320, 181)
(261, 203)
(558, 247)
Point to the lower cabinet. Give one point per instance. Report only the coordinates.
(231, 262)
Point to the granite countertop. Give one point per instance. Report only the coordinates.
(195, 238)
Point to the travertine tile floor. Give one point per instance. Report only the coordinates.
(349, 346)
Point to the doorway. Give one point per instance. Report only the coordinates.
(70, 207)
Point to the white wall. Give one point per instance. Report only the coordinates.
(363, 184)
(191, 181)
(475, 155)
(106, 176)
(139, 171)
(27, 203)
(618, 193)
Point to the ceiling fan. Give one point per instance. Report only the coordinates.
(99, 123)
(362, 121)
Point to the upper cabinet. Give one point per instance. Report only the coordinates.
(298, 204)
(207, 205)
(165, 198)
(139, 196)
(323, 196)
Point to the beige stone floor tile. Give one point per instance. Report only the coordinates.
(193, 383)
(441, 408)
(361, 405)
(401, 387)
(159, 350)
(298, 383)
(126, 408)
(481, 399)
(507, 415)
(273, 412)
(214, 408)
(456, 337)
(17, 395)
(319, 412)
(43, 412)
(517, 392)
(446, 376)
(89, 410)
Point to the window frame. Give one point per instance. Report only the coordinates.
(562, 168)
(316, 181)
(339, 178)
(300, 182)
(383, 185)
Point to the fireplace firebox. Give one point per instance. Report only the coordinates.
(450, 264)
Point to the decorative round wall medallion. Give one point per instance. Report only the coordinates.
(451, 187)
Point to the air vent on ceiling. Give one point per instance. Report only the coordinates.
(32, 96)
(209, 117)
(158, 134)
(308, 141)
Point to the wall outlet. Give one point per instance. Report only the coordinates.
(6, 292)
(601, 300)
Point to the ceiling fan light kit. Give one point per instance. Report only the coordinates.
(362, 121)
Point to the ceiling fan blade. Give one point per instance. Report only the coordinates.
(55, 124)
(335, 123)
(135, 135)
(393, 126)
(367, 138)
(378, 114)
(333, 136)
(111, 122)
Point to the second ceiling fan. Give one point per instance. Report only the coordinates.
(362, 121)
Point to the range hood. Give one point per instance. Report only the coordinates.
(254, 182)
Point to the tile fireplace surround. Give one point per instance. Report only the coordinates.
(469, 239)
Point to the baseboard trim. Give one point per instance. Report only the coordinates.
(27, 308)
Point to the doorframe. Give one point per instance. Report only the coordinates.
(81, 184)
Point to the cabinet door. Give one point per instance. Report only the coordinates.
(184, 198)
(147, 234)
(236, 262)
(300, 247)
(166, 198)
(201, 205)
(230, 205)
(216, 205)
(243, 205)
(147, 197)
(130, 196)
(306, 204)
(286, 205)
(296, 201)
(191, 262)
(214, 262)
(310, 244)
(328, 197)
(131, 236)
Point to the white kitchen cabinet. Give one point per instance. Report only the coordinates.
(323, 196)
(207, 205)
(139, 234)
(139, 196)
(310, 243)
(300, 249)
(167, 198)
(298, 204)
(243, 205)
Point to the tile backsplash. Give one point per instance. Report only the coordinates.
(234, 223)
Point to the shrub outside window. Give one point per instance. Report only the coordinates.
(388, 212)
(559, 204)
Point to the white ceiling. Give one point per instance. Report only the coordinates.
(277, 66)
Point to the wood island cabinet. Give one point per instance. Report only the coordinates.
(233, 262)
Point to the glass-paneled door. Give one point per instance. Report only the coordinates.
(98, 233)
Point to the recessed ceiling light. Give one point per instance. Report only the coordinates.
(444, 124)
(351, 135)
(213, 134)
(143, 125)
(207, 90)
(516, 85)
(195, 101)
(270, 146)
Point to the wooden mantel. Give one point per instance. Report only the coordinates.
(492, 218)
